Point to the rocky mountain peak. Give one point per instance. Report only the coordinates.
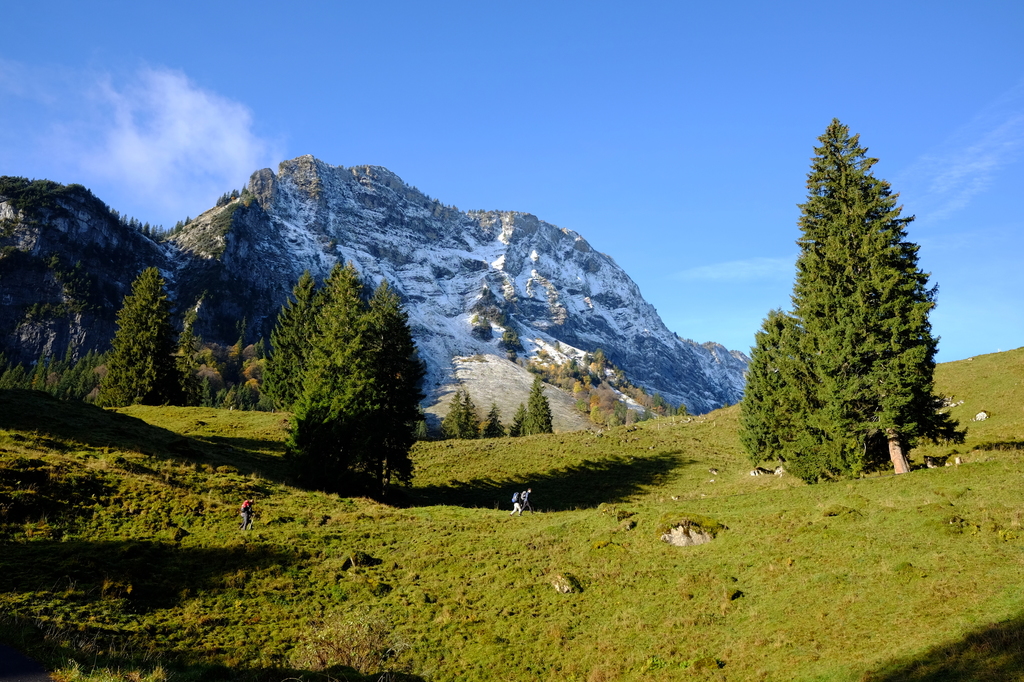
(467, 279)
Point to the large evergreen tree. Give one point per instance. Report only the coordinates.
(538, 411)
(451, 425)
(855, 363)
(290, 341)
(396, 373)
(358, 388)
(775, 409)
(518, 420)
(329, 416)
(141, 366)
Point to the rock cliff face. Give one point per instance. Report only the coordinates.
(465, 278)
(66, 264)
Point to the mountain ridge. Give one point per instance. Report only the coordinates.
(465, 277)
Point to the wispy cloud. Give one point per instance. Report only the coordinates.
(171, 140)
(154, 136)
(945, 182)
(748, 270)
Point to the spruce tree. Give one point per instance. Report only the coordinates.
(462, 420)
(538, 411)
(40, 372)
(188, 346)
(859, 356)
(358, 386)
(518, 420)
(329, 437)
(11, 376)
(775, 410)
(141, 366)
(451, 425)
(492, 426)
(396, 374)
(470, 419)
(290, 340)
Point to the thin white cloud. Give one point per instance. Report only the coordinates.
(152, 142)
(748, 270)
(172, 141)
(946, 182)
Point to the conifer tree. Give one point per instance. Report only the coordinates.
(451, 425)
(141, 366)
(775, 412)
(40, 372)
(538, 411)
(470, 418)
(12, 376)
(492, 426)
(329, 438)
(290, 339)
(236, 358)
(396, 374)
(860, 350)
(462, 420)
(357, 408)
(518, 420)
(188, 346)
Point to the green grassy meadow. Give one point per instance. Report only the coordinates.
(121, 558)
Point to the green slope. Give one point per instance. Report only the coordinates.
(121, 557)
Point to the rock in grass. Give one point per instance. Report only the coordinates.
(566, 583)
(690, 529)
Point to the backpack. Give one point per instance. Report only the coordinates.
(515, 498)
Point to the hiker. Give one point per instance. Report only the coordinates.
(524, 498)
(246, 513)
(516, 507)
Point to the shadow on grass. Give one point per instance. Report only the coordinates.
(54, 650)
(583, 485)
(53, 421)
(132, 584)
(1001, 445)
(988, 654)
(148, 575)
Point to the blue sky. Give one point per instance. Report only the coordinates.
(674, 136)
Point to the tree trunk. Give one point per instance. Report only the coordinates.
(896, 454)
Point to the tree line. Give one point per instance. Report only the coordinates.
(532, 417)
(843, 384)
(67, 378)
(344, 364)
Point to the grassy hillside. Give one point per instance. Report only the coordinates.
(121, 557)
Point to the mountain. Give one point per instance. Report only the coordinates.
(66, 264)
(467, 278)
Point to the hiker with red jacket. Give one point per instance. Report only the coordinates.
(246, 513)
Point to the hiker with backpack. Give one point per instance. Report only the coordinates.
(524, 500)
(246, 513)
(516, 506)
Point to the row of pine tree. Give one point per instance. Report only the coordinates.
(532, 417)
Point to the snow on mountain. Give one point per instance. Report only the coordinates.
(466, 279)
(501, 269)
